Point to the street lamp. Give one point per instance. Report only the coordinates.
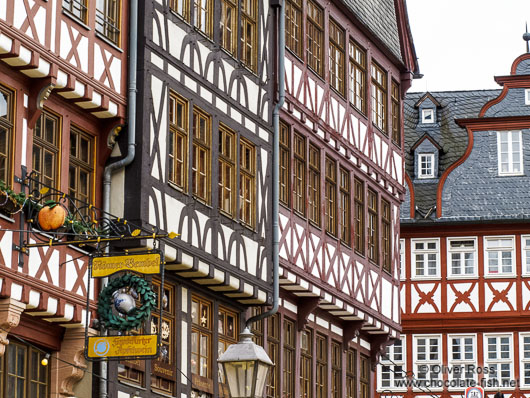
(245, 367)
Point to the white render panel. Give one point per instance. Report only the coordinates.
(33, 299)
(386, 299)
(52, 30)
(3, 9)
(184, 353)
(203, 52)
(249, 252)
(397, 304)
(6, 247)
(376, 154)
(16, 291)
(177, 38)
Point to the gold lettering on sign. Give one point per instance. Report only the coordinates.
(122, 346)
(142, 263)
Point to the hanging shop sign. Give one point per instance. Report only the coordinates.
(147, 264)
(120, 347)
(474, 392)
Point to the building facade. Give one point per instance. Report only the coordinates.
(62, 92)
(464, 243)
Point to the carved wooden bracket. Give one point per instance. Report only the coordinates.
(65, 376)
(306, 306)
(40, 91)
(350, 330)
(10, 311)
(378, 346)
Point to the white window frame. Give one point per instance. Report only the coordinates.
(425, 113)
(461, 363)
(420, 363)
(511, 153)
(420, 171)
(527, 96)
(393, 362)
(425, 251)
(524, 360)
(525, 256)
(489, 362)
(499, 250)
(402, 260)
(462, 251)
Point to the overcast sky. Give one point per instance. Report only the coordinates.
(462, 44)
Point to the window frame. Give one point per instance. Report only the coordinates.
(450, 251)
(344, 206)
(357, 69)
(498, 361)
(247, 174)
(313, 184)
(386, 235)
(461, 363)
(524, 360)
(359, 216)
(80, 165)
(420, 170)
(525, 255)
(299, 173)
(8, 124)
(81, 13)
(110, 25)
(289, 357)
(285, 164)
(206, 146)
(336, 369)
(379, 86)
(372, 224)
(351, 373)
(396, 112)
(175, 132)
(425, 113)
(231, 26)
(425, 251)
(321, 365)
(487, 251)
(184, 12)
(208, 331)
(510, 153)
(402, 260)
(315, 44)
(54, 148)
(330, 196)
(527, 96)
(306, 364)
(294, 32)
(392, 363)
(251, 18)
(209, 17)
(427, 361)
(227, 158)
(336, 56)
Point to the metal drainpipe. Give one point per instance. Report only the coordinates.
(131, 146)
(276, 172)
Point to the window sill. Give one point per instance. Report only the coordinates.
(425, 278)
(499, 276)
(461, 277)
(75, 19)
(108, 41)
(510, 175)
(379, 129)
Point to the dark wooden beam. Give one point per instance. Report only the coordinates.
(350, 330)
(306, 306)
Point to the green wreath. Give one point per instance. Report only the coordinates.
(135, 318)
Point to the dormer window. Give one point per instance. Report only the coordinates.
(426, 165)
(510, 152)
(527, 96)
(427, 116)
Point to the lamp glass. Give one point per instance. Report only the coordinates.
(261, 379)
(239, 376)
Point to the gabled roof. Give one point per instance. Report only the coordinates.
(426, 136)
(429, 96)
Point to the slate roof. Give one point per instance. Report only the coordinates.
(451, 137)
(379, 16)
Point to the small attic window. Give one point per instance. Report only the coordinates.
(427, 115)
(426, 165)
(527, 96)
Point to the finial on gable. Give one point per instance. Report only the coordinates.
(526, 37)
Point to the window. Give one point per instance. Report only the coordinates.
(359, 216)
(425, 255)
(499, 256)
(321, 366)
(273, 345)
(46, 137)
(402, 260)
(510, 152)
(462, 357)
(23, 375)
(306, 363)
(315, 37)
(201, 155)
(344, 206)
(285, 164)
(289, 358)
(181, 7)
(336, 56)
(527, 96)
(351, 373)
(249, 35)
(228, 26)
(373, 227)
(163, 373)
(396, 112)
(78, 8)
(247, 194)
(228, 329)
(178, 141)
(81, 167)
(462, 257)
(201, 342)
(386, 236)
(526, 254)
(313, 199)
(331, 196)
(6, 134)
(427, 116)
(336, 369)
(498, 357)
(392, 367)
(357, 77)
(428, 357)
(379, 89)
(108, 19)
(524, 355)
(293, 26)
(299, 174)
(227, 170)
(364, 377)
(202, 16)
(426, 165)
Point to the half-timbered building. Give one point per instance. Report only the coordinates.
(62, 91)
(465, 243)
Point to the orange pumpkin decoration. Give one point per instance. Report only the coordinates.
(51, 217)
